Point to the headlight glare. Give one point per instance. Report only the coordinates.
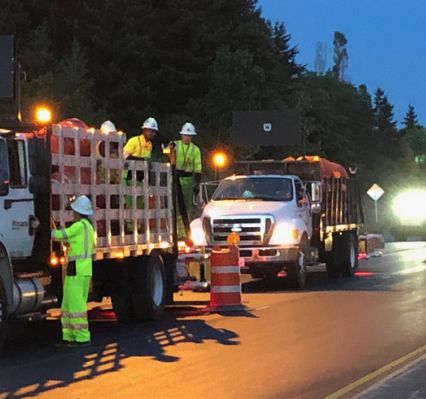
(284, 233)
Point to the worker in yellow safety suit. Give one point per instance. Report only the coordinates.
(188, 170)
(141, 146)
(79, 237)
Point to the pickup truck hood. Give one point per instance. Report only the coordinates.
(224, 208)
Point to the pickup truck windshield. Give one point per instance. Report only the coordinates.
(255, 188)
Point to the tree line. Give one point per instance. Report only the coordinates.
(199, 60)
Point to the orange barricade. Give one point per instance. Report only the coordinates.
(225, 290)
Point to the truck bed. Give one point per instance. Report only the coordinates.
(131, 217)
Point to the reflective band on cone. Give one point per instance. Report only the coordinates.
(225, 291)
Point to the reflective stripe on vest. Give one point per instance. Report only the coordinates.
(86, 254)
(185, 158)
(64, 234)
(144, 150)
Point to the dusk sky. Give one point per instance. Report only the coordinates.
(386, 42)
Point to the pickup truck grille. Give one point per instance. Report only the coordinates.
(252, 230)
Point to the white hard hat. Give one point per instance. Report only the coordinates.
(82, 205)
(188, 129)
(108, 127)
(150, 123)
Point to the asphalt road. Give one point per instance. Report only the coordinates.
(287, 344)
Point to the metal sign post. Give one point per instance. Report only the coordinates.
(375, 192)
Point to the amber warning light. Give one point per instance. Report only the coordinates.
(43, 114)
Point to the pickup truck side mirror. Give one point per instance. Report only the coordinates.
(316, 194)
(316, 208)
(4, 187)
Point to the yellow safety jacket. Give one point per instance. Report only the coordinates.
(80, 237)
(188, 157)
(138, 147)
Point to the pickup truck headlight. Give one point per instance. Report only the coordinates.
(198, 235)
(284, 233)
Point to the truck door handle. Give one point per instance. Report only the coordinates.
(8, 202)
(33, 223)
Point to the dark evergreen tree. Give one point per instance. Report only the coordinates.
(287, 53)
(383, 112)
(410, 118)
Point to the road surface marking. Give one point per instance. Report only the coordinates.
(377, 373)
(396, 373)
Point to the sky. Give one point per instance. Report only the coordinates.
(386, 42)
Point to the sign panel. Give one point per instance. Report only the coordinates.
(7, 55)
(266, 128)
(375, 192)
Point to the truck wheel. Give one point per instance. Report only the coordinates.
(123, 307)
(3, 314)
(149, 294)
(349, 254)
(296, 272)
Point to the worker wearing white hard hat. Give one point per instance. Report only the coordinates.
(188, 168)
(80, 238)
(141, 146)
(108, 127)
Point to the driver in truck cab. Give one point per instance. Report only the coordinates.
(79, 237)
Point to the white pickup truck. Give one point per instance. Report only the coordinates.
(286, 222)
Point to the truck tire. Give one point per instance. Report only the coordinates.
(348, 254)
(149, 292)
(296, 272)
(123, 307)
(3, 314)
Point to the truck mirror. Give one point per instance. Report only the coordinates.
(4, 187)
(316, 192)
(316, 208)
(198, 200)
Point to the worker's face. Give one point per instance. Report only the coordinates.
(149, 134)
(186, 139)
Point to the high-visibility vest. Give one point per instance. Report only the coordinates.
(80, 237)
(188, 157)
(139, 147)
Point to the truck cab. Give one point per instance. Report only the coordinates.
(16, 201)
(272, 215)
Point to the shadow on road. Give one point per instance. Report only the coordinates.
(48, 368)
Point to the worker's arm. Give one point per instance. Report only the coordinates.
(65, 234)
(197, 170)
(129, 148)
(197, 161)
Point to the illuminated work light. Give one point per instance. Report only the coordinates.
(43, 114)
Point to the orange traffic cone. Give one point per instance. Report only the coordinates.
(225, 290)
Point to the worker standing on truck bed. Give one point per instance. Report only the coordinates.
(188, 169)
(141, 146)
(79, 236)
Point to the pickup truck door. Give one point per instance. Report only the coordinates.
(16, 201)
(304, 211)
